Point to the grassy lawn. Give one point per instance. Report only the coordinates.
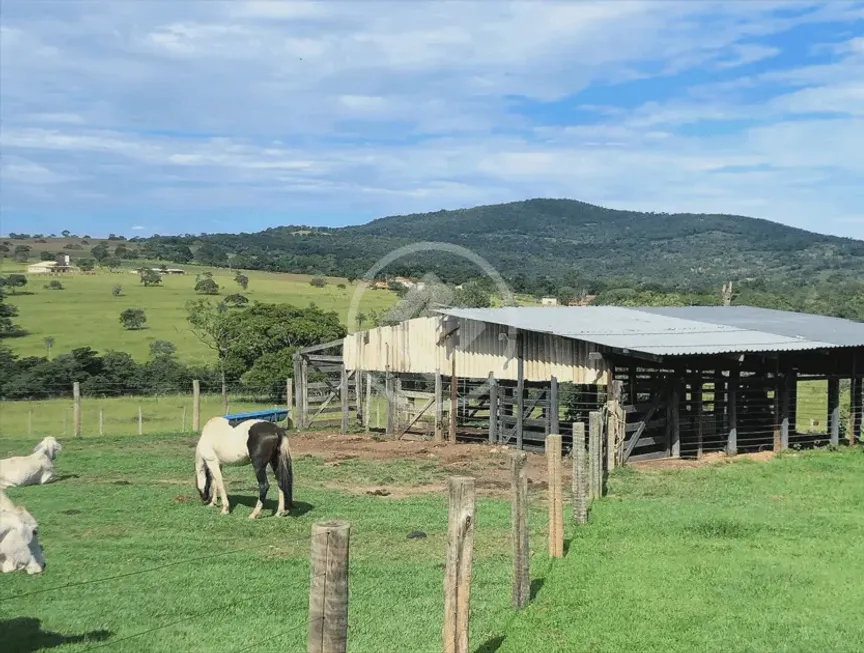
(86, 314)
(738, 557)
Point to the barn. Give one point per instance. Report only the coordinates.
(670, 381)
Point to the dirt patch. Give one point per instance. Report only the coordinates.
(181, 499)
(714, 458)
(488, 464)
(71, 512)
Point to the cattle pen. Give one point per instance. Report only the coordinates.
(671, 382)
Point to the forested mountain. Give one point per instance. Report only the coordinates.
(544, 242)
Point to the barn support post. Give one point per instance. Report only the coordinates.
(834, 410)
(785, 384)
(793, 401)
(439, 406)
(454, 398)
(616, 425)
(673, 426)
(493, 408)
(719, 405)
(328, 590)
(554, 410)
(732, 412)
(698, 410)
(520, 390)
(632, 397)
(196, 405)
(343, 399)
(76, 409)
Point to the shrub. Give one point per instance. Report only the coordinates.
(318, 282)
(54, 284)
(117, 290)
(133, 318)
(207, 287)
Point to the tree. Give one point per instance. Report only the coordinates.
(207, 287)
(472, 294)
(162, 349)
(210, 254)
(149, 277)
(86, 264)
(242, 280)
(236, 300)
(121, 251)
(46, 256)
(100, 252)
(21, 253)
(361, 318)
(318, 282)
(117, 290)
(341, 286)
(112, 263)
(14, 281)
(65, 233)
(54, 284)
(210, 325)
(8, 329)
(49, 343)
(133, 318)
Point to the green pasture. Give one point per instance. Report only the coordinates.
(86, 314)
(740, 557)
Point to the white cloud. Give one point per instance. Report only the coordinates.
(364, 109)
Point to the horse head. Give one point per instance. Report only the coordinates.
(49, 446)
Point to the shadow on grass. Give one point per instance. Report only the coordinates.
(492, 645)
(536, 585)
(25, 635)
(300, 508)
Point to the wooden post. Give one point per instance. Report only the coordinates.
(328, 588)
(457, 574)
(614, 431)
(289, 399)
(632, 394)
(304, 380)
(784, 410)
(595, 454)
(182, 420)
(554, 415)
(673, 427)
(732, 412)
(856, 407)
(556, 514)
(698, 409)
(493, 408)
(519, 520)
(719, 402)
(140, 421)
(343, 399)
(520, 390)
(298, 390)
(367, 417)
(102, 420)
(196, 405)
(76, 409)
(454, 398)
(439, 407)
(580, 475)
(834, 410)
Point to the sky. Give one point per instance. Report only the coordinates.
(158, 116)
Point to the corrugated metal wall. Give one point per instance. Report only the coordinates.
(413, 346)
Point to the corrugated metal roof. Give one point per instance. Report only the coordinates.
(678, 331)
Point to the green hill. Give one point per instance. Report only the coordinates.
(551, 238)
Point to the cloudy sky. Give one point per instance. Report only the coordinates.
(142, 116)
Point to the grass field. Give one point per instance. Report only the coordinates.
(86, 314)
(747, 556)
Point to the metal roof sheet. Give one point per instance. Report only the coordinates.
(678, 331)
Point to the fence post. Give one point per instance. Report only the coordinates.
(493, 408)
(343, 399)
(304, 382)
(289, 399)
(183, 421)
(140, 421)
(519, 520)
(388, 391)
(614, 433)
(196, 405)
(368, 398)
(454, 400)
(76, 409)
(834, 409)
(457, 574)
(102, 420)
(595, 462)
(556, 517)
(439, 407)
(554, 411)
(328, 590)
(580, 499)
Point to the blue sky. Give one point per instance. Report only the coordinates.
(140, 117)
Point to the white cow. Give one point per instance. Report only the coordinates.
(35, 469)
(19, 539)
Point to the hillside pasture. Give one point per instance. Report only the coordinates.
(743, 556)
(86, 314)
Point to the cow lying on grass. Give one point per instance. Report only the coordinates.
(35, 469)
(19, 539)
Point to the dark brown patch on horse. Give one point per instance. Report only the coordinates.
(265, 447)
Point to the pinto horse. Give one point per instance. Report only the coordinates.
(257, 441)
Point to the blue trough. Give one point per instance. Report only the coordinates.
(271, 415)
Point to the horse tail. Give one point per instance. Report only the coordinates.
(205, 489)
(284, 470)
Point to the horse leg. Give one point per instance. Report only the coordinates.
(219, 487)
(280, 511)
(263, 487)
